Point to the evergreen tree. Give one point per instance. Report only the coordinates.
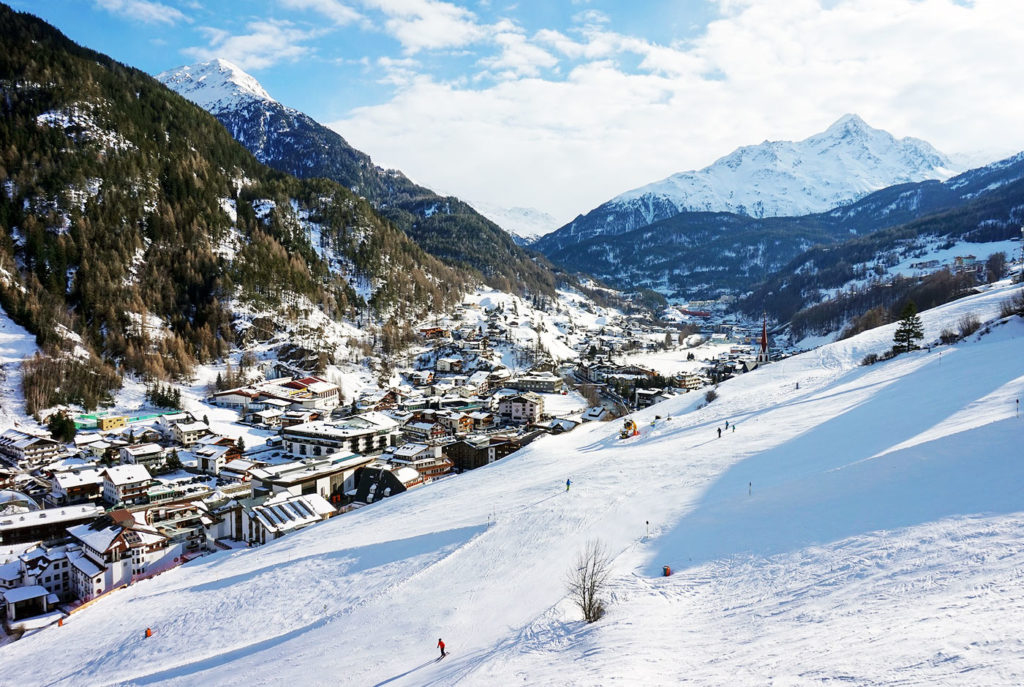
(61, 427)
(910, 330)
(173, 461)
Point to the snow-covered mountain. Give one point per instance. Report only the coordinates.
(527, 224)
(773, 179)
(216, 86)
(862, 525)
(293, 142)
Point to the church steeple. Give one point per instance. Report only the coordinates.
(762, 355)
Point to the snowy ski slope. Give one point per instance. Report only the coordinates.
(865, 528)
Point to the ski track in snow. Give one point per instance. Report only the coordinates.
(866, 528)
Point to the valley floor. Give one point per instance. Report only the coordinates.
(862, 525)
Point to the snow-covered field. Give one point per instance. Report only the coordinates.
(865, 528)
(673, 361)
(16, 344)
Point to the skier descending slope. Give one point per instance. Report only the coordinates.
(440, 645)
(568, 483)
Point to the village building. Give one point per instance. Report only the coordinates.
(28, 602)
(358, 434)
(44, 524)
(448, 365)
(188, 433)
(424, 431)
(380, 480)
(150, 455)
(425, 459)
(111, 422)
(115, 550)
(455, 422)
(211, 458)
(268, 417)
(22, 449)
(482, 419)
(239, 469)
(125, 484)
(331, 477)
(75, 486)
(542, 382)
(283, 514)
(44, 566)
(165, 425)
(421, 377)
(521, 409)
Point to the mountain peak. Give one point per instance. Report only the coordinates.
(785, 178)
(850, 122)
(215, 85)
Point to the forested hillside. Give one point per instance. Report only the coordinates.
(292, 142)
(858, 266)
(130, 221)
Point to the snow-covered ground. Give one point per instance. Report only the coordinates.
(674, 361)
(564, 405)
(16, 344)
(866, 528)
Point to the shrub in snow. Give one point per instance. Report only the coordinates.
(1013, 305)
(588, 578)
(969, 324)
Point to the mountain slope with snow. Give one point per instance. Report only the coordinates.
(290, 141)
(527, 224)
(861, 524)
(216, 86)
(773, 179)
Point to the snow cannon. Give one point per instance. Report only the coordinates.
(629, 429)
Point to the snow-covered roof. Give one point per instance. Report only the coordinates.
(321, 387)
(127, 474)
(63, 514)
(83, 438)
(84, 563)
(408, 450)
(286, 512)
(143, 450)
(407, 475)
(24, 593)
(98, 540)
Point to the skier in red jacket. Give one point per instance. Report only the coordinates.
(440, 645)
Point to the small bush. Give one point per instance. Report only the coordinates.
(869, 359)
(1014, 305)
(948, 336)
(969, 324)
(711, 395)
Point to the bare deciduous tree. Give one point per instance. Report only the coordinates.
(587, 580)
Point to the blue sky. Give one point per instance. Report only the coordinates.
(562, 104)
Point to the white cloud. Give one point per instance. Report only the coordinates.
(145, 11)
(399, 72)
(518, 56)
(266, 43)
(591, 18)
(338, 12)
(429, 24)
(773, 69)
